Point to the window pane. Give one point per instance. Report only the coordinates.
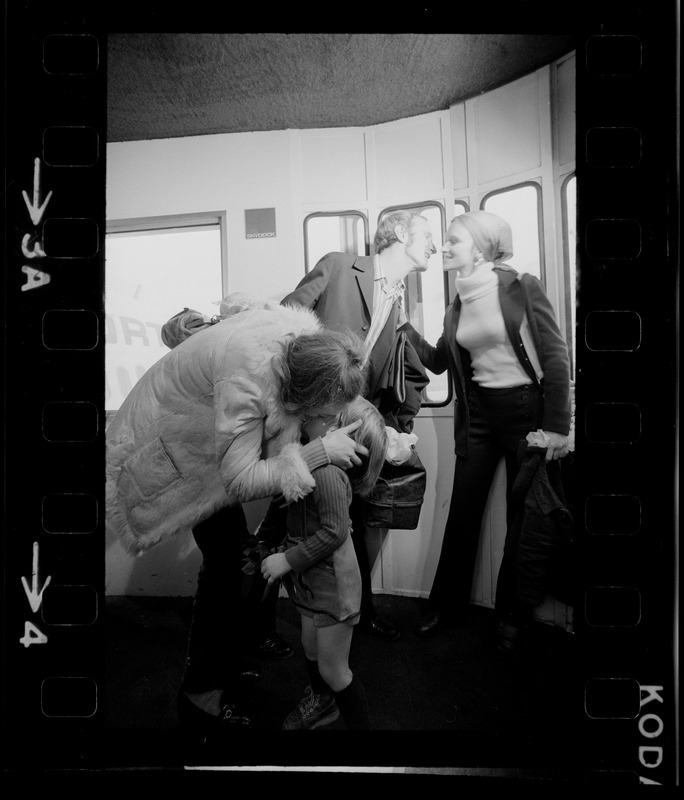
(519, 206)
(334, 233)
(150, 276)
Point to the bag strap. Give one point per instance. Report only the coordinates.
(398, 370)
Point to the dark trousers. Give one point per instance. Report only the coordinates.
(359, 542)
(219, 622)
(499, 420)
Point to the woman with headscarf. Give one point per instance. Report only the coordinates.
(510, 370)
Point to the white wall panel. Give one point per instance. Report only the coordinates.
(565, 104)
(333, 167)
(459, 150)
(409, 157)
(507, 130)
(409, 558)
(231, 172)
(492, 538)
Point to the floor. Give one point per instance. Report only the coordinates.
(449, 703)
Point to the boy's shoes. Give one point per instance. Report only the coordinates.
(313, 711)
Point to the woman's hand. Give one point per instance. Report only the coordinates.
(341, 448)
(557, 447)
(274, 567)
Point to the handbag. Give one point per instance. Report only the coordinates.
(183, 324)
(397, 497)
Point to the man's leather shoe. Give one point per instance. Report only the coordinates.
(507, 638)
(250, 672)
(204, 726)
(379, 629)
(431, 624)
(273, 647)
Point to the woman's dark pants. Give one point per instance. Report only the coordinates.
(499, 420)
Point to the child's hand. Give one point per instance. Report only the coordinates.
(274, 567)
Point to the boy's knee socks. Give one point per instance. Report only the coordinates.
(318, 685)
(353, 704)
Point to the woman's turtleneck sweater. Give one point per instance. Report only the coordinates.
(482, 332)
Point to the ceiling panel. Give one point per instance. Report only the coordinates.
(168, 85)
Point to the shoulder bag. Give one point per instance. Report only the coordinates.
(397, 497)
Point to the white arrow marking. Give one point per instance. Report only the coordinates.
(35, 597)
(35, 209)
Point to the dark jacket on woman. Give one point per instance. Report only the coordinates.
(541, 534)
(519, 294)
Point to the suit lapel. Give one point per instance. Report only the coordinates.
(382, 352)
(365, 274)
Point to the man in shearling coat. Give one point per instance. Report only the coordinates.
(364, 294)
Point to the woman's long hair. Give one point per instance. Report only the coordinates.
(320, 369)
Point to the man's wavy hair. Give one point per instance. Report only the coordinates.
(373, 435)
(320, 369)
(385, 236)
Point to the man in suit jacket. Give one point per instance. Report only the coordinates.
(364, 294)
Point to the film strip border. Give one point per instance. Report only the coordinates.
(54, 391)
(626, 396)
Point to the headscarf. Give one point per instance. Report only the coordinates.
(491, 234)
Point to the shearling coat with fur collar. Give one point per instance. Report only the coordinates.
(203, 428)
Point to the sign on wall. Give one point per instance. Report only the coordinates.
(260, 223)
